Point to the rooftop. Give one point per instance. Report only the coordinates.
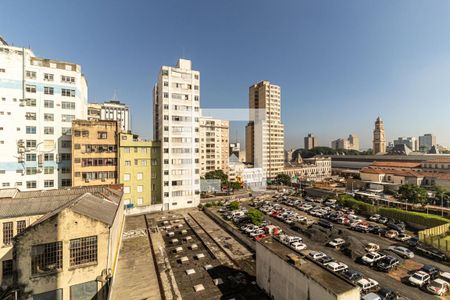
(396, 164)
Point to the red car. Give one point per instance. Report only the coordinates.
(261, 237)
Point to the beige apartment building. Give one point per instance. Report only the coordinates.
(94, 152)
(214, 145)
(264, 134)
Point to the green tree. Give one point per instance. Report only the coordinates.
(413, 193)
(217, 174)
(255, 216)
(283, 179)
(234, 185)
(234, 205)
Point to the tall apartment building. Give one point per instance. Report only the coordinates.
(39, 99)
(214, 145)
(411, 142)
(379, 139)
(427, 141)
(176, 113)
(310, 141)
(351, 143)
(111, 110)
(94, 152)
(264, 134)
(139, 170)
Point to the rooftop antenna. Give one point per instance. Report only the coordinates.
(114, 95)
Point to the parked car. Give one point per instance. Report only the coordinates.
(367, 284)
(262, 236)
(391, 234)
(372, 247)
(438, 287)
(352, 275)
(336, 243)
(383, 220)
(315, 255)
(387, 263)
(371, 258)
(419, 279)
(336, 266)
(402, 251)
(325, 223)
(374, 218)
(371, 296)
(298, 246)
(402, 237)
(387, 294)
(430, 270)
(325, 259)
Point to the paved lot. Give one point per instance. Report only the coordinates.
(136, 275)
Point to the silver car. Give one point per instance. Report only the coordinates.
(402, 251)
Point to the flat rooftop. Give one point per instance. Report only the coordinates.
(326, 278)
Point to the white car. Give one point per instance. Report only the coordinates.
(289, 239)
(371, 258)
(438, 287)
(374, 218)
(336, 242)
(315, 255)
(419, 278)
(367, 284)
(402, 251)
(403, 237)
(256, 232)
(298, 246)
(336, 266)
(372, 247)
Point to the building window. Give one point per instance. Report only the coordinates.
(82, 291)
(140, 201)
(140, 188)
(49, 117)
(31, 184)
(83, 251)
(66, 156)
(21, 225)
(67, 105)
(49, 183)
(102, 135)
(30, 157)
(7, 267)
(31, 143)
(30, 129)
(30, 74)
(126, 189)
(49, 130)
(51, 295)
(30, 102)
(67, 79)
(48, 77)
(30, 116)
(68, 144)
(49, 157)
(31, 170)
(67, 118)
(66, 182)
(48, 90)
(48, 103)
(30, 88)
(68, 93)
(128, 163)
(126, 177)
(49, 170)
(66, 130)
(7, 233)
(46, 258)
(139, 176)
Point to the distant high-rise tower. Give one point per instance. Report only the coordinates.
(310, 142)
(379, 141)
(264, 134)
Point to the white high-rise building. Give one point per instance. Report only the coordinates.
(39, 98)
(112, 110)
(176, 113)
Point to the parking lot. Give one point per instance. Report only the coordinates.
(395, 280)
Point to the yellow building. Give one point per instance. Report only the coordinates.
(94, 152)
(139, 170)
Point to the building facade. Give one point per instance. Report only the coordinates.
(310, 142)
(309, 169)
(214, 145)
(176, 113)
(351, 143)
(264, 135)
(139, 170)
(94, 152)
(427, 141)
(379, 139)
(111, 110)
(39, 98)
(411, 142)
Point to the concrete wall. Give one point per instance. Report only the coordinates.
(63, 227)
(282, 281)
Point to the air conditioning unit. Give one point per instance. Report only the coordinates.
(103, 179)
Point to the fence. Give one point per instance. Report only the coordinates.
(437, 237)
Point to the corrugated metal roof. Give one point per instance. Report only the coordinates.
(42, 202)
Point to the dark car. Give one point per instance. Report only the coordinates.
(431, 270)
(387, 263)
(325, 259)
(352, 275)
(383, 220)
(387, 294)
(412, 242)
(325, 223)
(398, 226)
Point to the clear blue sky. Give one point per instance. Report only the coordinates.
(339, 63)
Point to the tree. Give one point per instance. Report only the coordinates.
(413, 193)
(441, 194)
(234, 185)
(283, 179)
(234, 205)
(217, 174)
(255, 216)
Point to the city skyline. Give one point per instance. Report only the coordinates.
(332, 75)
